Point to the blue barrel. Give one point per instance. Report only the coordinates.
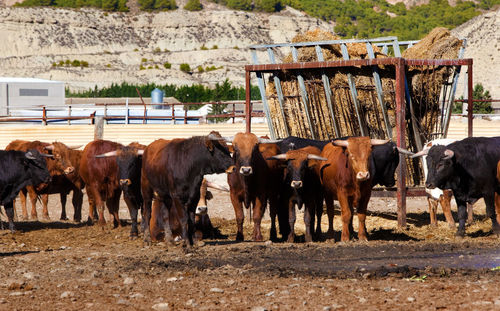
(157, 98)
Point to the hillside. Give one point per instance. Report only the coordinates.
(115, 45)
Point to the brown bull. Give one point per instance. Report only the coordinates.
(346, 177)
(254, 180)
(101, 180)
(58, 170)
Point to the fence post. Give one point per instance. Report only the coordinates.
(127, 112)
(44, 115)
(106, 112)
(69, 115)
(99, 128)
(185, 115)
(234, 111)
(401, 142)
(172, 119)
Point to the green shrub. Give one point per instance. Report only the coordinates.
(136, 50)
(215, 47)
(61, 63)
(75, 63)
(157, 50)
(200, 69)
(156, 67)
(193, 5)
(141, 67)
(67, 62)
(185, 67)
(144, 60)
(84, 63)
(167, 65)
(203, 48)
(479, 93)
(236, 47)
(54, 64)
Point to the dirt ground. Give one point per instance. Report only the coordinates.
(63, 265)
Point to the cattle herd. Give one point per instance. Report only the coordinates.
(165, 181)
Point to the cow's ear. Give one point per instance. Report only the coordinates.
(231, 148)
(209, 195)
(210, 144)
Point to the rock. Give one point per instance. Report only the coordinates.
(191, 303)
(270, 294)
(122, 302)
(411, 299)
(137, 296)
(128, 281)
(259, 308)
(231, 282)
(285, 292)
(327, 308)
(67, 294)
(216, 290)
(172, 279)
(162, 306)
(362, 300)
(268, 242)
(497, 302)
(16, 294)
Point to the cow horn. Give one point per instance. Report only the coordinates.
(422, 152)
(217, 186)
(49, 147)
(75, 146)
(316, 157)
(140, 152)
(215, 137)
(278, 157)
(46, 155)
(107, 154)
(404, 151)
(376, 142)
(29, 155)
(340, 143)
(268, 141)
(448, 154)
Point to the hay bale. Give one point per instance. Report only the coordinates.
(438, 44)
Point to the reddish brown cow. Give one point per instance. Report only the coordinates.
(58, 184)
(254, 180)
(345, 177)
(302, 186)
(101, 180)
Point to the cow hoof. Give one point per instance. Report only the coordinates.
(330, 235)
(239, 237)
(133, 237)
(308, 239)
(63, 218)
(460, 234)
(34, 218)
(452, 226)
(291, 239)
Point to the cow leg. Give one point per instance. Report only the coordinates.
(63, 197)
(346, 215)
(77, 204)
(319, 213)
(361, 211)
(22, 197)
(92, 206)
(491, 212)
(132, 209)
(33, 197)
(307, 221)
(330, 210)
(98, 204)
(273, 211)
(445, 201)
(9, 210)
(432, 211)
(154, 226)
(497, 205)
(45, 206)
(113, 205)
(239, 215)
(462, 215)
(470, 212)
(291, 221)
(185, 221)
(258, 212)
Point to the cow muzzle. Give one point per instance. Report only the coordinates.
(296, 184)
(362, 176)
(201, 210)
(429, 185)
(69, 170)
(246, 170)
(125, 182)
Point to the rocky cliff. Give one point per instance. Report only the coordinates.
(117, 45)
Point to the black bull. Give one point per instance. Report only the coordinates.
(468, 168)
(19, 169)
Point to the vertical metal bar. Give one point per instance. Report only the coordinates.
(172, 118)
(106, 113)
(470, 107)
(385, 48)
(380, 92)
(127, 113)
(234, 111)
(248, 107)
(446, 124)
(328, 92)
(303, 93)
(262, 89)
(69, 115)
(185, 115)
(401, 142)
(354, 93)
(279, 91)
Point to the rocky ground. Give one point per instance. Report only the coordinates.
(63, 265)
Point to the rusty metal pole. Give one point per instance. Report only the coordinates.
(401, 141)
(470, 106)
(248, 107)
(44, 115)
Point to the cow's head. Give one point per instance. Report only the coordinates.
(129, 162)
(36, 165)
(298, 163)
(61, 154)
(358, 150)
(218, 153)
(440, 162)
